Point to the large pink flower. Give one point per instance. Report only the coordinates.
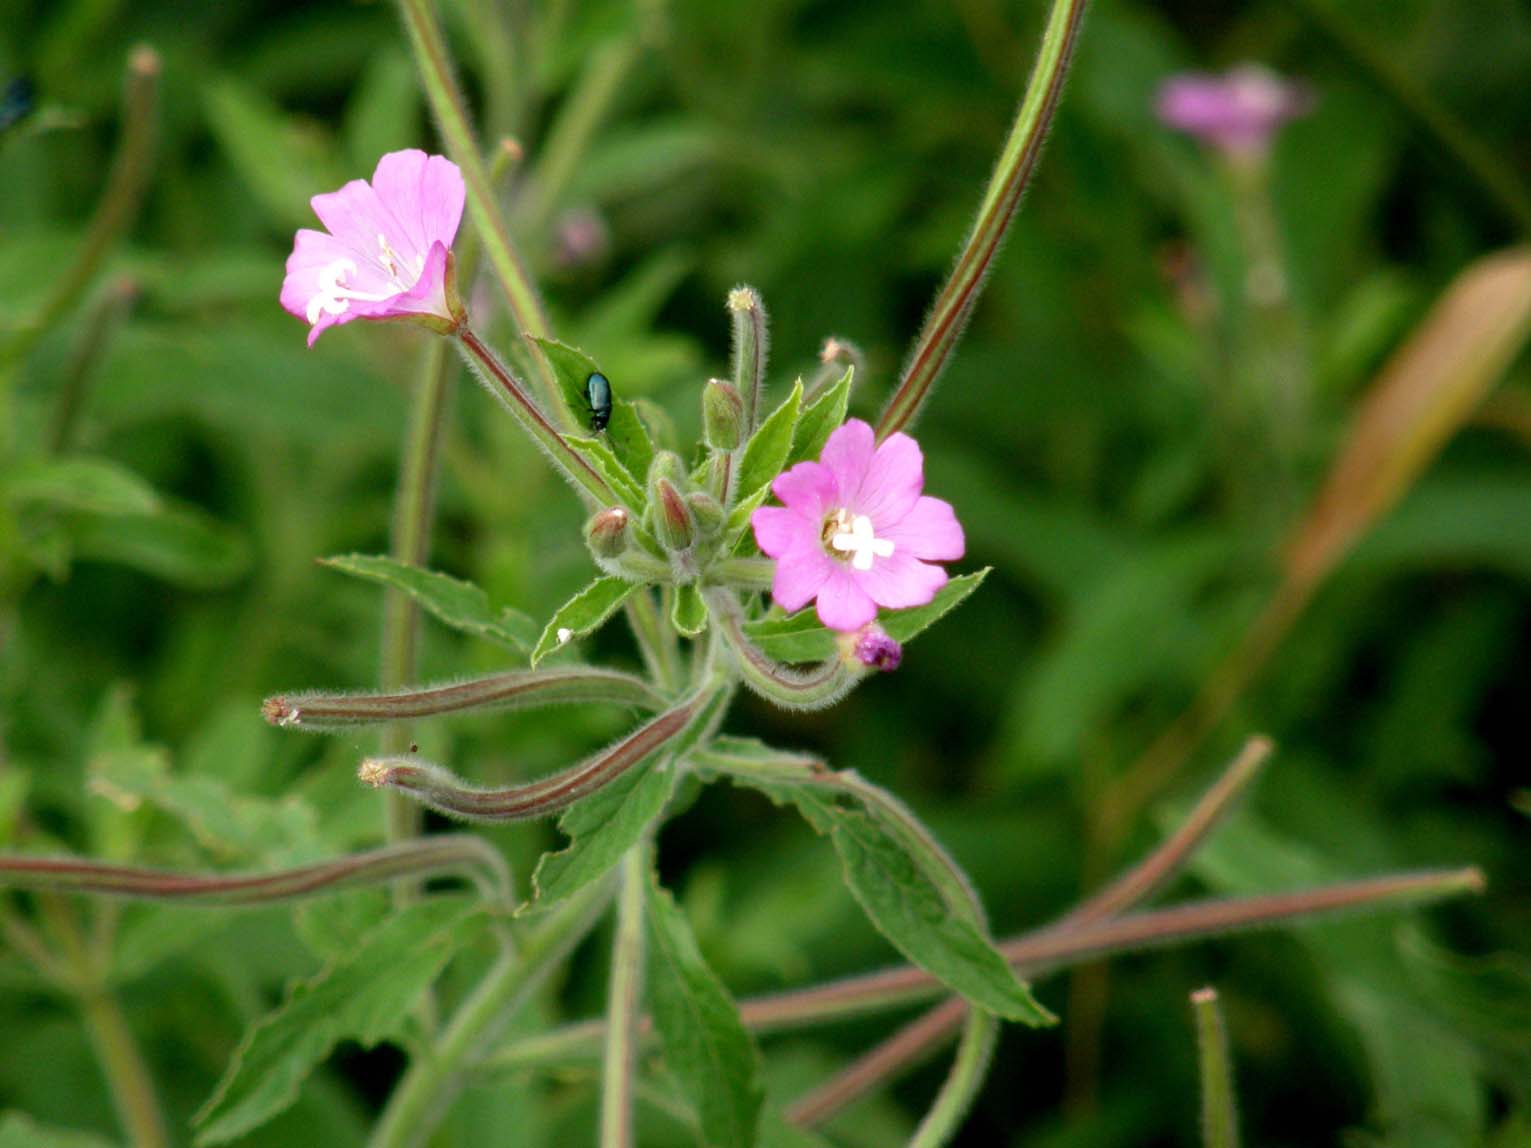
(385, 253)
(855, 532)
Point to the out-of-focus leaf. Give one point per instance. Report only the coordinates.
(460, 605)
(1421, 397)
(705, 1043)
(18, 1130)
(801, 637)
(383, 113)
(582, 614)
(97, 485)
(179, 544)
(282, 165)
(363, 996)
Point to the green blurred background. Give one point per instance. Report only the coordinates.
(1094, 433)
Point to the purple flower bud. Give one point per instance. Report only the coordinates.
(607, 532)
(876, 649)
(1238, 113)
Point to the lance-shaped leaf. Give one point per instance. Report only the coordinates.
(909, 887)
(364, 996)
(460, 605)
(89, 484)
(705, 1043)
(819, 420)
(598, 453)
(582, 614)
(769, 446)
(689, 611)
(603, 826)
(1426, 390)
(512, 690)
(625, 433)
(437, 788)
(801, 637)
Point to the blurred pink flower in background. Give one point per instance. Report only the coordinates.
(384, 254)
(1238, 113)
(855, 532)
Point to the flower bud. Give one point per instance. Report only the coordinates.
(707, 511)
(876, 649)
(606, 532)
(722, 415)
(667, 465)
(672, 516)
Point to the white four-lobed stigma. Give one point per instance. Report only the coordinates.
(862, 543)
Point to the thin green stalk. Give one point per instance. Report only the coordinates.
(413, 512)
(1496, 179)
(117, 207)
(949, 314)
(102, 323)
(656, 641)
(976, 1049)
(623, 1012)
(1219, 1110)
(569, 136)
(433, 1080)
(446, 100)
(127, 1075)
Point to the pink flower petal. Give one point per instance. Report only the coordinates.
(355, 216)
(778, 530)
(799, 575)
(424, 194)
(808, 489)
(842, 603)
(427, 297)
(930, 530)
(901, 581)
(893, 481)
(848, 455)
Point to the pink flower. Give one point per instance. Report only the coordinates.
(1238, 113)
(385, 253)
(855, 531)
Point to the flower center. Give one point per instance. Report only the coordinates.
(854, 538)
(334, 297)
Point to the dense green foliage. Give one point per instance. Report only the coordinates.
(1095, 432)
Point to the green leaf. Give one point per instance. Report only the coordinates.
(90, 484)
(601, 828)
(18, 1130)
(178, 544)
(689, 611)
(705, 1043)
(768, 448)
(363, 996)
(910, 889)
(625, 433)
(458, 604)
(277, 161)
(598, 453)
(801, 637)
(820, 419)
(582, 614)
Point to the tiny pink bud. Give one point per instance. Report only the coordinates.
(876, 649)
(672, 517)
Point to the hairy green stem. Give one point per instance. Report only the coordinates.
(1219, 1116)
(979, 1035)
(127, 1074)
(656, 640)
(433, 1080)
(451, 112)
(623, 1005)
(413, 512)
(809, 689)
(953, 305)
(432, 856)
(503, 385)
(510, 690)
